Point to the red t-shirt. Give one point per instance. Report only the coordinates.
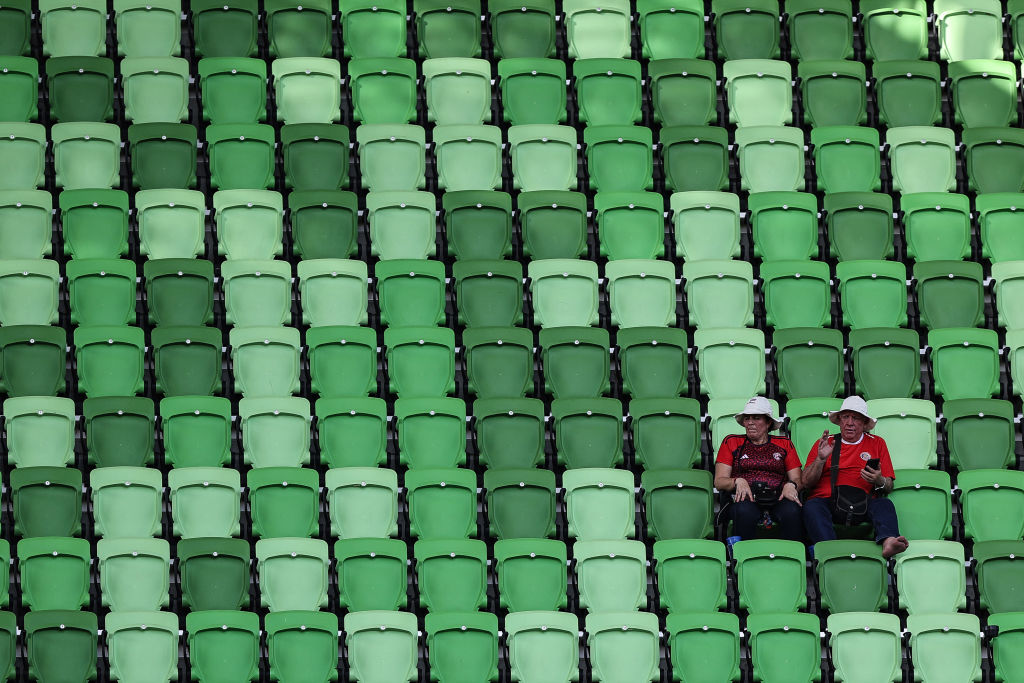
(767, 462)
(852, 459)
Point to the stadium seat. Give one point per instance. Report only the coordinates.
(641, 292)
(155, 89)
(969, 31)
(908, 427)
(323, 224)
(784, 225)
(148, 30)
(770, 575)
(179, 291)
(295, 30)
(930, 577)
(284, 501)
(921, 159)
(219, 32)
(653, 361)
(382, 646)
(759, 91)
(785, 647)
(860, 225)
(442, 503)
(846, 158)
(451, 574)
(448, 30)
(588, 431)
(257, 292)
(373, 30)
(611, 575)
(771, 158)
(86, 154)
(302, 643)
(872, 293)
(315, 156)
(852, 576)
(678, 503)
(351, 432)
(292, 573)
(991, 503)
(94, 223)
(886, 362)
(979, 433)
(1014, 343)
(172, 223)
(68, 29)
(619, 158)
(796, 293)
(127, 502)
(16, 19)
(1007, 277)
(80, 88)
(543, 157)
(39, 431)
(458, 90)
(705, 643)
(683, 91)
(623, 644)
(533, 89)
(995, 159)
(34, 359)
(730, 361)
(371, 573)
(553, 224)
(420, 360)
(706, 225)
(47, 501)
(669, 31)
(214, 573)
(998, 583)
(110, 360)
(661, 443)
(133, 573)
(719, 293)
(809, 362)
(964, 362)
(819, 31)
(61, 645)
(275, 431)
(598, 35)
(54, 573)
(332, 291)
(746, 30)
(402, 224)
(832, 90)
(944, 646)
(463, 644)
(564, 292)
(342, 360)
(163, 155)
(895, 30)
(1014, 20)
(1004, 644)
(607, 91)
(499, 361)
(431, 432)
(922, 500)
(523, 34)
(223, 645)
(984, 92)
(196, 430)
(690, 575)
(936, 226)
(520, 503)
(204, 501)
(478, 224)
(29, 291)
(807, 418)
(307, 89)
(907, 92)
(694, 158)
(119, 430)
(383, 89)
(386, 148)
(26, 223)
(509, 432)
(22, 152)
(865, 646)
(531, 573)
(467, 157)
(248, 223)
(100, 291)
(575, 361)
(241, 155)
(362, 501)
(599, 503)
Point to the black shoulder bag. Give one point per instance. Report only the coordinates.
(849, 503)
(764, 495)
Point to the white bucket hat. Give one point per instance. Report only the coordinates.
(759, 405)
(857, 405)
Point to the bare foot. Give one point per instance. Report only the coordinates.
(893, 546)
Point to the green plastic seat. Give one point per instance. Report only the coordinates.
(691, 575)
(441, 502)
(909, 427)
(373, 30)
(307, 89)
(851, 576)
(746, 30)
(930, 577)
(26, 223)
(241, 155)
(303, 643)
(785, 647)
(362, 502)
(860, 225)
(623, 645)
(678, 503)
(219, 32)
(463, 646)
(661, 443)
(564, 292)
(553, 224)
(33, 359)
(8, 653)
(796, 293)
(402, 224)
(22, 152)
(499, 361)
(653, 361)
(922, 500)
(969, 31)
(80, 88)
(1007, 277)
(598, 35)
(1014, 14)
(351, 431)
(86, 154)
(895, 30)
(588, 432)
(179, 291)
(410, 292)
(47, 501)
(807, 419)
(451, 574)
(619, 157)
(979, 433)
(387, 148)
(298, 30)
(1014, 343)
(949, 293)
(991, 500)
(759, 92)
(39, 430)
(54, 572)
(315, 156)
(371, 573)
(127, 502)
(771, 158)
(784, 225)
(275, 431)
(292, 573)
(323, 223)
(670, 31)
(61, 654)
(832, 90)
(520, 503)
(846, 158)
(945, 646)
(119, 430)
(575, 361)
(342, 360)
(611, 575)
(719, 293)
(865, 647)
(110, 360)
(599, 503)
(641, 292)
(705, 643)
(448, 30)
(223, 645)
(382, 646)
(257, 292)
(68, 29)
(695, 158)
(163, 155)
(819, 31)
(478, 224)
(907, 93)
(101, 291)
(543, 157)
(172, 223)
(770, 576)
(233, 89)
(383, 89)
(134, 573)
(148, 30)
(1004, 652)
(921, 159)
(509, 432)
(1000, 239)
(332, 291)
(994, 159)
(886, 362)
(431, 432)
(458, 90)
(872, 293)
(730, 361)
(467, 156)
(809, 362)
(607, 91)
(533, 89)
(984, 92)
(543, 644)
(998, 583)
(155, 89)
(16, 19)
(683, 91)
(196, 430)
(284, 501)
(29, 290)
(204, 501)
(531, 573)
(519, 33)
(630, 225)
(214, 573)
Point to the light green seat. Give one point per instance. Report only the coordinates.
(543, 157)
(155, 89)
(1004, 645)
(298, 30)
(382, 646)
(746, 30)
(533, 89)
(886, 362)
(895, 30)
(171, 223)
(463, 646)
(520, 503)
(223, 645)
(402, 224)
(860, 225)
(383, 89)
(342, 360)
(705, 643)
(994, 159)
(984, 92)
(214, 573)
(241, 156)
(770, 575)
(33, 359)
(630, 225)
(991, 503)
(448, 30)
(851, 575)
(489, 293)
(719, 293)
(907, 92)
(163, 155)
(695, 158)
(553, 224)
(730, 361)
(303, 644)
(323, 223)
(86, 154)
(921, 159)
(669, 31)
(292, 573)
(332, 291)
(784, 225)
(588, 432)
(26, 223)
(759, 92)
(785, 647)
(148, 29)
(316, 156)
(257, 292)
(372, 573)
(134, 573)
(420, 360)
(564, 292)
(865, 646)
(1014, 343)
(872, 293)
(543, 646)
(119, 430)
(233, 89)
(307, 89)
(362, 502)
(796, 293)
(624, 646)
(441, 502)
(809, 361)
(611, 575)
(807, 419)
(451, 574)
(599, 503)
(468, 156)
(979, 433)
(517, 33)
(832, 90)
(607, 91)
(284, 501)
(945, 646)
(969, 30)
(771, 158)
(54, 572)
(179, 291)
(196, 430)
(531, 573)
(61, 654)
(29, 291)
(204, 501)
(846, 158)
(641, 292)
(509, 432)
(71, 29)
(373, 30)
(653, 361)
(387, 148)
(678, 503)
(110, 360)
(995, 565)
(101, 291)
(666, 432)
(22, 152)
(922, 500)
(127, 502)
(908, 427)
(691, 575)
(930, 578)
(275, 431)
(248, 223)
(499, 361)
(458, 90)
(820, 31)
(591, 34)
(683, 91)
(949, 293)
(619, 157)
(351, 431)
(431, 432)
(39, 431)
(81, 88)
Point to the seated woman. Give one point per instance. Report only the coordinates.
(762, 472)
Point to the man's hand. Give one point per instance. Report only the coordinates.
(873, 477)
(825, 446)
(789, 492)
(742, 491)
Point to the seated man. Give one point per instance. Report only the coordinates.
(863, 463)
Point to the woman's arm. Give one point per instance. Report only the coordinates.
(725, 482)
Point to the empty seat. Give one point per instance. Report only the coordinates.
(39, 430)
(155, 89)
(373, 30)
(223, 645)
(784, 225)
(653, 361)
(372, 573)
(1007, 277)
(307, 89)
(683, 91)
(284, 501)
(719, 293)
(678, 503)
(29, 291)
(172, 223)
(771, 158)
(17, 30)
(564, 292)
(478, 224)
(695, 158)
(248, 223)
(949, 293)
(860, 225)
(383, 88)
(441, 502)
(770, 575)
(785, 646)
(984, 92)
(945, 645)
(730, 361)
(431, 432)
(921, 159)
(630, 225)
(214, 573)
(458, 90)
(127, 502)
(619, 158)
(34, 359)
(1014, 343)
(796, 293)
(611, 575)
(61, 645)
(26, 223)
(591, 34)
(575, 361)
(930, 577)
(451, 574)
(991, 503)
(351, 431)
(110, 360)
(47, 501)
(691, 575)
(846, 158)
(67, 29)
(746, 30)
(467, 157)
(969, 31)
(94, 223)
(101, 291)
(119, 431)
(895, 30)
(531, 573)
(670, 31)
(204, 501)
(385, 149)
(543, 157)
(641, 292)
(908, 426)
(292, 573)
(302, 643)
(808, 418)
(872, 293)
(402, 224)
(832, 90)
(936, 225)
(257, 292)
(241, 155)
(995, 575)
(86, 154)
(979, 433)
(275, 431)
(886, 362)
(922, 500)
(543, 644)
(759, 91)
(994, 159)
(666, 432)
(520, 503)
(553, 224)
(163, 155)
(533, 90)
(865, 646)
(220, 32)
(509, 432)
(907, 92)
(342, 360)
(588, 431)
(704, 643)
(295, 30)
(382, 646)
(22, 152)
(332, 291)
(315, 156)
(362, 502)
(517, 33)
(133, 573)
(1006, 657)
(80, 88)
(851, 575)
(148, 30)
(462, 644)
(196, 430)
(323, 223)
(448, 30)
(820, 30)
(54, 572)
(420, 360)
(607, 91)
(599, 503)
(809, 362)
(499, 361)
(179, 292)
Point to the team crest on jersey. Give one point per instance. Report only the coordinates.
(865, 456)
(777, 456)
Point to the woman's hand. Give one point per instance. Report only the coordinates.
(790, 492)
(742, 491)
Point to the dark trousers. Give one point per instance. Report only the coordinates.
(818, 519)
(746, 515)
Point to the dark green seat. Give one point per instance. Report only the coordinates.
(224, 30)
(666, 432)
(452, 574)
(233, 89)
(442, 502)
(833, 90)
(671, 30)
(223, 645)
(695, 158)
(373, 29)
(284, 501)
(703, 643)
(683, 91)
(554, 223)
(531, 573)
(119, 430)
(691, 575)
(323, 223)
(523, 33)
(315, 156)
(372, 573)
(746, 30)
(214, 573)
(196, 430)
(998, 575)
(352, 432)
(383, 89)
(820, 30)
(15, 27)
(907, 93)
(520, 503)
(994, 159)
(342, 360)
(852, 576)
(886, 362)
(588, 431)
(509, 432)
(298, 29)
(47, 501)
(478, 224)
(80, 88)
(489, 293)
(1006, 645)
(860, 225)
(533, 90)
(653, 361)
(809, 362)
(163, 155)
(61, 645)
(33, 358)
(678, 503)
(979, 433)
(448, 29)
(463, 646)
(575, 361)
(179, 292)
(241, 155)
(19, 85)
(499, 361)
(949, 293)
(301, 643)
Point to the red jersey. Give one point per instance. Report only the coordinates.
(852, 459)
(767, 462)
